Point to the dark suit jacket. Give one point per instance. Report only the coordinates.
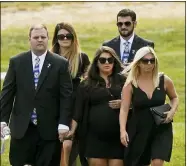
(138, 43)
(51, 98)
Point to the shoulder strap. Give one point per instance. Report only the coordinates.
(133, 88)
(161, 83)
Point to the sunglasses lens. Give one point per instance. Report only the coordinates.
(111, 60)
(102, 60)
(152, 61)
(69, 36)
(119, 24)
(62, 37)
(145, 61)
(128, 23)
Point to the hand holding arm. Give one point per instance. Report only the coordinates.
(71, 133)
(115, 104)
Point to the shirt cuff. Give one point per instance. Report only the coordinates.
(63, 127)
(3, 123)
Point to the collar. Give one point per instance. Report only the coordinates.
(41, 56)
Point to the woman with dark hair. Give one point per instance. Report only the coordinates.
(66, 44)
(97, 107)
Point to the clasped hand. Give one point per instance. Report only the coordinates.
(115, 104)
(63, 134)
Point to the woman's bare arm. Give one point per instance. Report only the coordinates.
(125, 105)
(171, 93)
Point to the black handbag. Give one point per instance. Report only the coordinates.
(158, 113)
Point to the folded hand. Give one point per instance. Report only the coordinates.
(62, 133)
(69, 136)
(115, 104)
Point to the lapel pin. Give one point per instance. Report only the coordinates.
(133, 51)
(158, 88)
(48, 66)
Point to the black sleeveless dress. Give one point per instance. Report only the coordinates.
(147, 141)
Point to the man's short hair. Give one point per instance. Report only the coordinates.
(37, 26)
(127, 12)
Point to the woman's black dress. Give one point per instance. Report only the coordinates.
(102, 136)
(147, 141)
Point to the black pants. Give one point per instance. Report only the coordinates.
(33, 150)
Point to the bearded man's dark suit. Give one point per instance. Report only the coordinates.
(137, 43)
(19, 98)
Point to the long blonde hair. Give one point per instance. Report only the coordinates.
(132, 71)
(73, 53)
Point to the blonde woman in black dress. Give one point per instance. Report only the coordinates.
(145, 87)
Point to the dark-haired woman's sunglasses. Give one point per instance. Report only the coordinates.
(127, 24)
(68, 36)
(103, 60)
(146, 61)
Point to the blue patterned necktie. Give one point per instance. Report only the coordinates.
(125, 53)
(36, 72)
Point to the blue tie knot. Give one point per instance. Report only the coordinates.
(37, 61)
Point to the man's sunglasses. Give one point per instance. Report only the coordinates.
(103, 60)
(68, 36)
(146, 61)
(127, 24)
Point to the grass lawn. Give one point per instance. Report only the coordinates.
(169, 38)
(23, 6)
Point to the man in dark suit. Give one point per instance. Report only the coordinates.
(128, 42)
(35, 102)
